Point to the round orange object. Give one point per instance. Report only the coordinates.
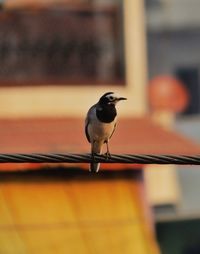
(168, 93)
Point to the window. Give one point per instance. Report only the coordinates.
(190, 77)
(78, 42)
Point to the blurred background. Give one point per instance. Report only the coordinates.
(173, 49)
(57, 57)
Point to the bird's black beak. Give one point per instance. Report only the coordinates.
(121, 99)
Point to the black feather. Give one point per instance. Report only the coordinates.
(106, 113)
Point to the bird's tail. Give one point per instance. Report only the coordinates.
(96, 149)
(94, 167)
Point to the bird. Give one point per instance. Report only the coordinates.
(100, 124)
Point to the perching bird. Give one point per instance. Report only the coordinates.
(100, 125)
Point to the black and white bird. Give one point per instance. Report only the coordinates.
(100, 125)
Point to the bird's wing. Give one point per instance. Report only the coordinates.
(88, 120)
(113, 130)
(86, 129)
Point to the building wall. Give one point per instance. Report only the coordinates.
(173, 14)
(66, 212)
(170, 50)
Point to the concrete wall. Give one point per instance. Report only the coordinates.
(169, 50)
(175, 14)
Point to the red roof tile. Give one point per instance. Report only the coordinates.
(133, 135)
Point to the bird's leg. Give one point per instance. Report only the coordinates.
(107, 154)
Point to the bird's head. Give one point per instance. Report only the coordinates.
(110, 99)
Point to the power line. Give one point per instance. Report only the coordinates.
(87, 158)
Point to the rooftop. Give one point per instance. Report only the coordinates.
(66, 135)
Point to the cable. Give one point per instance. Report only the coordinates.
(86, 158)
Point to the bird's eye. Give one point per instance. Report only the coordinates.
(111, 98)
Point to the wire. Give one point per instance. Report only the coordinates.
(87, 158)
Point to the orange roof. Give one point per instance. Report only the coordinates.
(66, 135)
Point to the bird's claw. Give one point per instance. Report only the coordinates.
(107, 155)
